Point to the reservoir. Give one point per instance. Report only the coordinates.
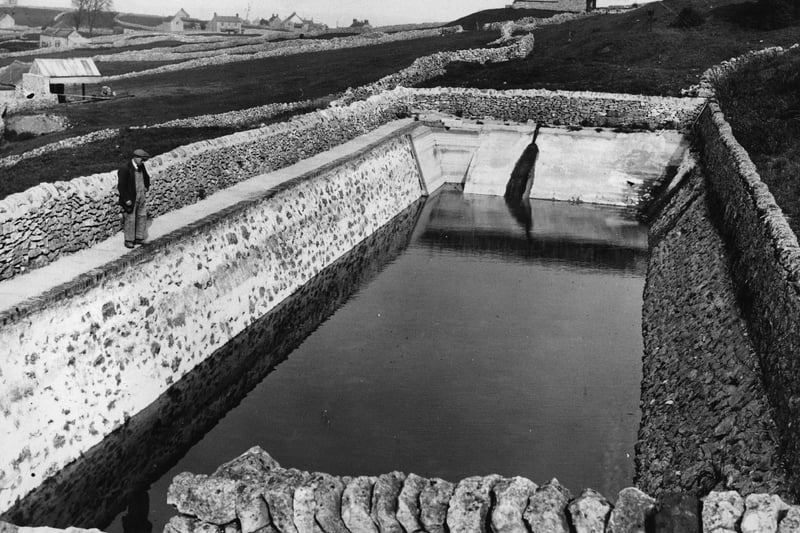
(477, 339)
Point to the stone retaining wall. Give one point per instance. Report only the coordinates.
(706, 422)
(80, 366)
(766, 269)
(253, 493)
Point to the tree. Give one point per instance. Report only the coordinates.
(87, 12)
(79, 13)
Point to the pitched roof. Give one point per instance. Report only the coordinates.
(65, 68)
(223, 18)
(58, 31)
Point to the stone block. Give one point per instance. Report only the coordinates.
(547, 508)
(470, 504)
(761, 513)
(434, 500)
(356, 500)
(631, 512)
(511, 496)
(384, 502)
(252, 510)
(678, 513)
(408, 507)
(722, 512)
(212, 500)
(590, 512)
(328, 494)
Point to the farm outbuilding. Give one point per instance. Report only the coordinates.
(64, 78)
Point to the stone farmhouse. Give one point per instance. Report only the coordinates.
(61, 37)
(225, 24)
(293, 22)
(572, 6)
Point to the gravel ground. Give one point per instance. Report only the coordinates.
(706, 423)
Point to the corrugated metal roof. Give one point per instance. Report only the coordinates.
(65, 68)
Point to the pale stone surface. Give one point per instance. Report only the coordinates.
(547, 509)
(279, 495)
(433, 503)
(631, 511)
(329, 504)
(722, 511)
(761, 513)
(305, 507)
(356, 505)
(590, 512)
(408, 511)
(211, 500)
(512, 496)
(252, 510)
(252, 467)
(176, 524)
(384, 502)
(790, 522)
(470, 504)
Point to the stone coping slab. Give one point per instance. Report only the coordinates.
(35, 289)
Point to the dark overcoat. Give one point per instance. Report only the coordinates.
(126, 183)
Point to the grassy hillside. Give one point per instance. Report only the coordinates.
(477, 20)
(762, 104)
(633, 52)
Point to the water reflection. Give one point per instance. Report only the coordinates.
(561, 234)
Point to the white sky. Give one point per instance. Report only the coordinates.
(379, 12)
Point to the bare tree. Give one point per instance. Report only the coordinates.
(79, 14)
(95, 7)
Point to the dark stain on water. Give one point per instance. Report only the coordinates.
(474, 350)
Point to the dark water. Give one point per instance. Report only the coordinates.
(498, 341)
(478, 350)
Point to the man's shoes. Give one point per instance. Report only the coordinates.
(128, 244)
(138, 241)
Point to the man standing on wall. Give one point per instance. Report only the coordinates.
(133, 184)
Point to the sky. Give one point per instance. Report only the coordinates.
(330, 12)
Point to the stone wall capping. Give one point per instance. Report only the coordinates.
(411, 503)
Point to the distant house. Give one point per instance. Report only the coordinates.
(6, 21)
(61, 37)
(274, 22)
(361, 24)
(172, 24)
(572, 6)
(225, 24)
(63, 78)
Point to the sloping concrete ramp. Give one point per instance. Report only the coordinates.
(497, 154)
(603, 167)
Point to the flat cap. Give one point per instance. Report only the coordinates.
(141, 153)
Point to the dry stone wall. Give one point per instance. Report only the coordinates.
(253, 493)
(79, 367)
(205, 59)
(570, 108)
(766, 268)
